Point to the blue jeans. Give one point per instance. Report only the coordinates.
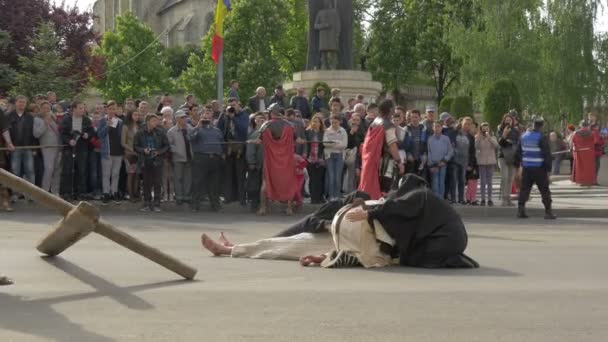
(335, 166)
(439, 181)
(556, 165)
(457, 172)
(23, 158)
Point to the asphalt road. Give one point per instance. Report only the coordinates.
(538, 282)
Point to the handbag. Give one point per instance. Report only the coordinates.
(509, 154)
(350, 156)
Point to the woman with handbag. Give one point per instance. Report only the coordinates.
(314, 155)
(129, 129)
(508, 140)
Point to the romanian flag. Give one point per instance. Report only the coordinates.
(217, 43)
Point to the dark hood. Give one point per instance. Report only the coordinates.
(409, 182)
(329, 210)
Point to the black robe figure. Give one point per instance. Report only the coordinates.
(318, 221)
(428, 232)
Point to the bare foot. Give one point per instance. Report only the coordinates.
(311, 260)
(224, 241)
(214, 247)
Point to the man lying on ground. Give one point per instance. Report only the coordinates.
(411, 223)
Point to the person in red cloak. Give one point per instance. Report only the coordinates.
(378, 152)
(279, 168)
(584, 156)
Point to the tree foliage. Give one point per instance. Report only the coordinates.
(256, 52)
(446, 104)
(46, 69)
(320, 84)
(73, 28)
(177, 58)
(462, 106)
(133, 60)
(502, 96)
(7, 74)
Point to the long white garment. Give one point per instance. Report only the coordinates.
(285, 248)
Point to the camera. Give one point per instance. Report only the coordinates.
(231, 110)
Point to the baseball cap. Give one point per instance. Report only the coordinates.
(180, 114)
(431, 108)
(444, 116)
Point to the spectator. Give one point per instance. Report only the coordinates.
(129, 130)
(234, 124)
(315, 157)
(472, 173)
(598, 142)
(151, 145)
(335, 140)
(5, 140)
(428, 122)
(463, 148)
(255, 160)
(440, 151)
(557, 146)
(165, 101)
(356, 135)
(190, 100)
(144, 109)
(46, 130)
(336, 110)
(335, 93)
(233, 92)
(21, 128)
(486, 146)
(51, 98)
(508, 140)
(279, 97)
(76, 132)
(318, 101)
(130, 105)
(298, 125)
(371, 114)
(300, 102)
(400, 111)
(109, 134)
(258, 102)
(215, 108)
(181, 152)
(207, 161)
(94, 159)
(167, 188)
(415, 143)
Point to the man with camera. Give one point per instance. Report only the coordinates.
(234, 125)
(151, 144)
(76, 132)
(206, 143)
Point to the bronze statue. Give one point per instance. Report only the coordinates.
(328, 24)
(330, 38)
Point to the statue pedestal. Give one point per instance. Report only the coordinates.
(350, 82)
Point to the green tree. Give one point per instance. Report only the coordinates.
(45, 69)
(462, 106)
(134, 64)
(7, 74)
(602, 65)
(446, 104)
(256, 52)
(177, 58)
(502, 96)
(391, 55)
(320, 84)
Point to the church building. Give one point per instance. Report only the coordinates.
(186, 21)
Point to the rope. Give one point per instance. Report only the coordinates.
(32, 147)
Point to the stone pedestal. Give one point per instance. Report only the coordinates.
(350, 82)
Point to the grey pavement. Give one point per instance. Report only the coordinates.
(539, 281)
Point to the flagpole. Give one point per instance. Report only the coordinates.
(220, 80)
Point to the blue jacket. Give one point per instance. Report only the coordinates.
(241, 125)
(102, 135)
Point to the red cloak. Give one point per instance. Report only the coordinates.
(279, 166)
(371, 154)
(584, 157)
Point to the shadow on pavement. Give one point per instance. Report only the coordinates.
(104, 288)
(40, 319)
(482, 271)
(501, 238)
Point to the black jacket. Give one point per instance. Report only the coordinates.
(67, 134)
(161, 142)
(25, 137)
(254, 103)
